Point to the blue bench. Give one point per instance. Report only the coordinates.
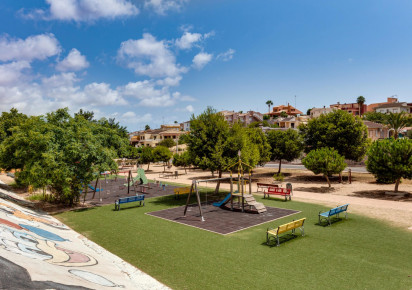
(334, 211)
(127, 200)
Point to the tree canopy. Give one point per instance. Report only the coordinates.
(326, 161)
(285, 145)
(340, 130)
(168, 142)
(390, 160)
(61, 152)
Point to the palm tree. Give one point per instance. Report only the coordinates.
(269, 103)
(360, 100)
(397, 121)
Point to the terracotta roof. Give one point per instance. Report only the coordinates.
(373, 125)
(392, 105)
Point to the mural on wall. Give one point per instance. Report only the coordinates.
(94, 278)
(31, 218)
(30, 246)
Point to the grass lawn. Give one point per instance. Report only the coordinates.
(358, 253)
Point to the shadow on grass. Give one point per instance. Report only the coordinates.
(332, 221)
(282, 239)
(129, 207)
(84, 209)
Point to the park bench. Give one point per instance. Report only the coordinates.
(127, 200)
(167, 174)
(327, 215)
(292, 226)
(286, 192)
(181, 190)
(261, 185)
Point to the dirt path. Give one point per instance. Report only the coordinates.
(396, 211)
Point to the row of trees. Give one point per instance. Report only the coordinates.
(58, 151)
(328, 140)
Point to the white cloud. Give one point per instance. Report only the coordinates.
(162, 6)
(101, 94)
(188, 39)
(83, 10)
(147, 56)
(226, 56)
(169, 82)
(148, 94)
(201, 59)
(190, 108)
(37, 47)
(73, 62)
(11, 73)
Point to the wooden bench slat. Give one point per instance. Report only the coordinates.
(285, 228)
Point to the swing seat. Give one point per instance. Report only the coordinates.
(94, 189)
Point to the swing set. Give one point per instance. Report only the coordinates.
(244, 197)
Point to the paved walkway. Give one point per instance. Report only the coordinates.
(39, 252)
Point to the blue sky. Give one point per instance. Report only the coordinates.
(159, 61)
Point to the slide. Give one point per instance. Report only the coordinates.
(224, 201)
(96, 190)
(142, 176)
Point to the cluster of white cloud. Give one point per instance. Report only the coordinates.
(32, 93)
(163, 6)
(92, 10)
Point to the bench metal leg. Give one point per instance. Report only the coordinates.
(277, 240)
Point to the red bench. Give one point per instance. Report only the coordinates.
(265, 185)
(286, 192)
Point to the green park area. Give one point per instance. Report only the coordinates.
(359, 252)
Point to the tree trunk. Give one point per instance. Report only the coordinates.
(280, 166)
(164, 166)
(218, 183)
(327, 178)
(185, 169)
(397, 184)
(148, 164)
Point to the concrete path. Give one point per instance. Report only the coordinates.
(39, 252)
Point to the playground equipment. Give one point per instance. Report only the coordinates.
(244, 198)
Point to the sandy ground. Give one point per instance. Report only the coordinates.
(363, 194)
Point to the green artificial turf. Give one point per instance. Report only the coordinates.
(358, 253)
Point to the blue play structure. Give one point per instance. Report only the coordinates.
(96, 190)
(224, 201)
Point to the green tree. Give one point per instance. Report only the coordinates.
(8, 121)
(260, 140)
(269, 103)
(88, 115)
(375, 117)
(390, 160)
(207, 138)
(168, 142)
(360, 100)
(59, 152)
(326, 161)
(162, 153)
(146, 157)
(146, 127)
(182, 160)
(339, 130)
(398, 121)
(285, 145)
(308, 112)
(266, 117)
(183, 139)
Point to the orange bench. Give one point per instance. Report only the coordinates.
(286, 192)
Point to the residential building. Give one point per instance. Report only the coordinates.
(289, 110)
(291, 122)
(371, 107)
(245, 118)
(152, 137)
(393, 108)
(376, 130)
(316, 112)
(351, 108)
(185, 126)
